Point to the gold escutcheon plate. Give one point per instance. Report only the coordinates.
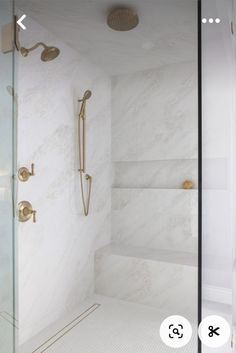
(25, 211)
(24, 174)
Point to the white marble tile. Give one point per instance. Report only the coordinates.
(155, 114)
(56, 254)
(169, 174)
(156, 283)
(152, 218)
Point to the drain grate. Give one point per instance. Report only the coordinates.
(60, 334)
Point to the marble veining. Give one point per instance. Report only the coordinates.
(154, 114)
(156, 283)
(152, 218)
(56, 254)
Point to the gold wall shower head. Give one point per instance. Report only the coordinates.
(48, 53)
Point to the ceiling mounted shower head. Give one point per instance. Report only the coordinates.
(48, 53)
(123, 19)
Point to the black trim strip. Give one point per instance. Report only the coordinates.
(199, 168)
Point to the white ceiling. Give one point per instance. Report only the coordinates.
(167, 32)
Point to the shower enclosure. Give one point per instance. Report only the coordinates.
(125, 92)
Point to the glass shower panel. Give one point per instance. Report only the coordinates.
(7, 321)
(108, 115)
(218, 157)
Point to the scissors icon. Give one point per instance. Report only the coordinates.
(213, 331)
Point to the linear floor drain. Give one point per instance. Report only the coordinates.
(60, 334)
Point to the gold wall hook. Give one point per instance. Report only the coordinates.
(25, 212)
(24, 174)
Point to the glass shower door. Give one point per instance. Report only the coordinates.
(218, 157)
(7, 323)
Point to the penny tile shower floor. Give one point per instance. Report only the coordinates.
(105, 325)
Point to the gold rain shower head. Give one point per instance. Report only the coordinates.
(48, 53)
(122, 19)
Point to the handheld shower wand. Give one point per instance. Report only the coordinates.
(82, 152)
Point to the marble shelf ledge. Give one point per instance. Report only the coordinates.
(160, 255)
(165, 160)
(155, 174)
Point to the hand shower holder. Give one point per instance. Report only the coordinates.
(82, 153)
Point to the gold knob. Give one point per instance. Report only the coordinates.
(24, 174)
(188, 184)
(25, 212)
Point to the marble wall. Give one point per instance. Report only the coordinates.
(155, 114)
(56, 254)
(155, 218)
(154, 150)
(153, 256)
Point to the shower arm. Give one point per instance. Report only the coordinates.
(36, 46)
(82, 154)
(16, 39)
(28, 50)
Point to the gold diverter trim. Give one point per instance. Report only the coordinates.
(82, 153)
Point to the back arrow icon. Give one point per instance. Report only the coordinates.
(19, 22)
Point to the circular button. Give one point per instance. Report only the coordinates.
(214, 331)
(176, 331)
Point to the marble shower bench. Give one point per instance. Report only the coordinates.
(166, 280)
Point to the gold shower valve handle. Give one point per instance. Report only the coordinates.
(24, 174)
(25, 212)
(34, 216)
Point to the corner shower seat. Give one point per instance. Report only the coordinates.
(166, 280)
